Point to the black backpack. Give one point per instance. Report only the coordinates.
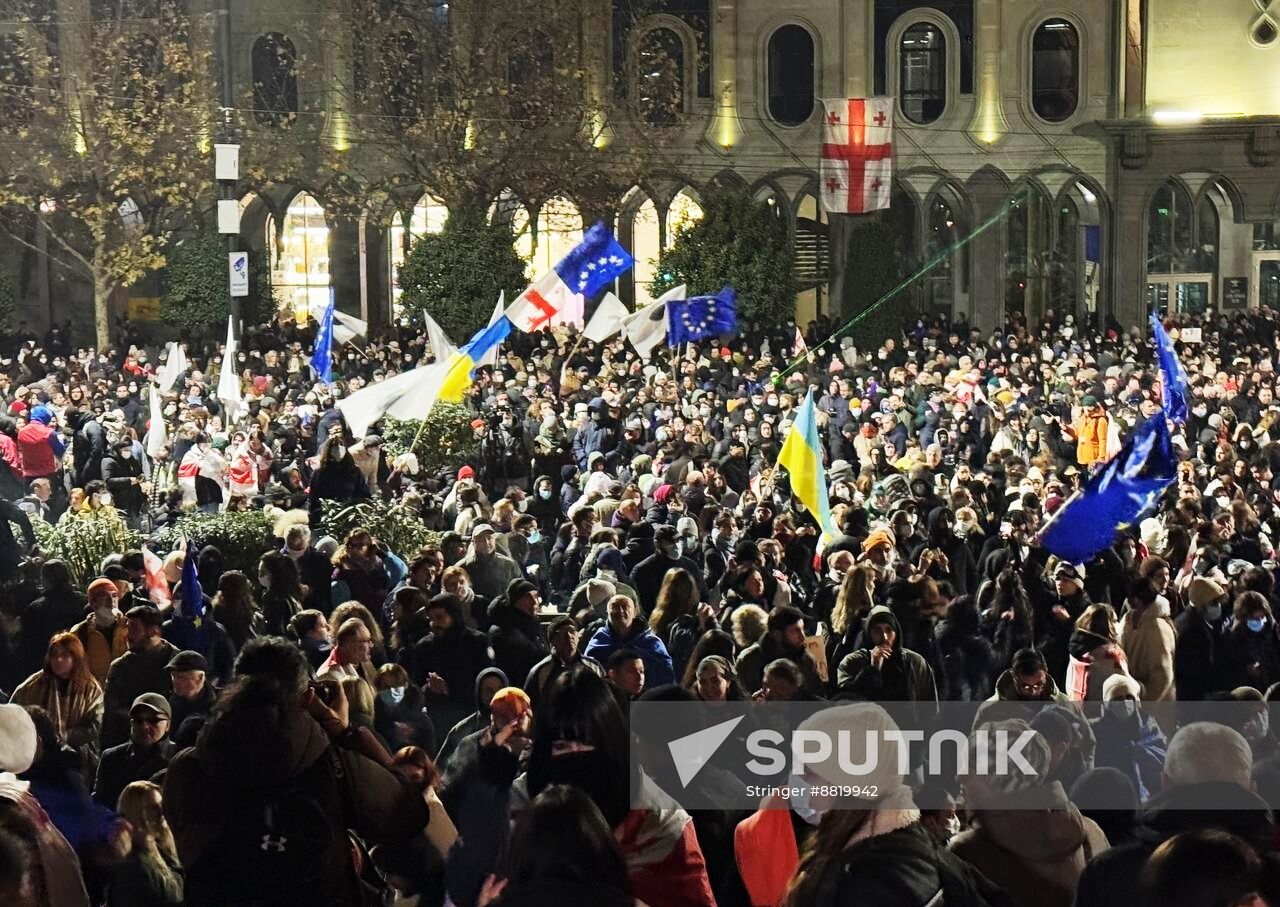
(276, 845)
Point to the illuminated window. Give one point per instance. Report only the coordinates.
(646, 244)
(558, 231)
(429, 215)
(922, 73)
(1055, 70)
(684, 211)
(300, 258)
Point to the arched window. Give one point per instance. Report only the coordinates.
(16, 80)
(429, 215)
(1055, 70)
(944, 226)
(1028, 247)
(660, 76)
(275, 80)
(646, 246)
(1170, 232)
(922, 73)
(300, 257)
(402, 77)
(557, 231)
(684, 211)
(529, 65)
(791, 75)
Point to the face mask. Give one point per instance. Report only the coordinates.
(535, 537)
(104, 616)
(1128, 707)
(544, 494)
(1257, 624)
(392, 695)
(801, 802)
(1213, 613)
(953, 827)
(339, 452)
(104, 500)
(126, 453)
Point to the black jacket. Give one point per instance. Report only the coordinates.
(119, 474)
(458, 655)
(649, 573)
(516, 638)
(126, 763)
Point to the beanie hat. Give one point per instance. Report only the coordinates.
(877, 539)
(1204, 591)
(466, 472)
(100, 584)
(518, 588)
(17, 739)
(1119, 686)
(860, 723)
(599, 591)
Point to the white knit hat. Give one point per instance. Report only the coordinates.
(17, 739)
(857, 720)
(599, 591)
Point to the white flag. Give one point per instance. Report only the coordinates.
(409, 395)
(157, 433)
(228, 381)
(419, 397)
(491, 358)
(647, 327)
(347, 327)
(175, 366)
(441, 346)
(607, 320)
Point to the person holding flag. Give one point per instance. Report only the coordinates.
(322, 352)
(192, 628)
(801, 456)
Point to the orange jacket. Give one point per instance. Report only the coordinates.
(1091, 438)
(764, 845)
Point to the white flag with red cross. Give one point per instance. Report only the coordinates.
(857, 155)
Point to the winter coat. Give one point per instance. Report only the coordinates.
(118, 473)
(458, 655)
(490, 575)
(336, 482)
(1133, 744)
(904, 867)
(1111, 879)
(1149, 640)
(969, 661)
(904, 677)
(1055, 632)
(131, 675)
(1203, 662)
(752, 661)
(248, 750)
(648, 575)
(1036, 853)
(516, 638)
(638, 638)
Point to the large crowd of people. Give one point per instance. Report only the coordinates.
(357, 725)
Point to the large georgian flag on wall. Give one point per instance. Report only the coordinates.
(857, 155)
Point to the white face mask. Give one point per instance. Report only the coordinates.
(105, 616)
(126, 453)
(953, 827)
(801, 801)
(104, 499)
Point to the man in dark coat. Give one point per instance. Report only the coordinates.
(448, 661)
(517, 639)
(650, 572)
(122, 474)
(145, 755)
(143, 669)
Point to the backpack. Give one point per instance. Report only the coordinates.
(275, 846)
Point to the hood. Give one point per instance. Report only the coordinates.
(883, 614)
(1052, 832)
(488, 672)
(935, 525)
(1006, 691)
(259, 747)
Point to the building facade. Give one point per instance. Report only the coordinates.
(1095, 156)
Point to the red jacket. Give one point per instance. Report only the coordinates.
(39, 447)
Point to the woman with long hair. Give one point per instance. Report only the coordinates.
(678, 618)
(348, 609)
(235, 609)
(150, 874)
(281, 591)
(358, 566)
(1095, 654)
(853, 602)
(713, 642)
(562, 851)
(66, 689)
(1009, 613)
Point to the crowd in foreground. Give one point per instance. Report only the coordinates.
(356, 725)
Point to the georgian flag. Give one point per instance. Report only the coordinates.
(592, 265)
(856, 170)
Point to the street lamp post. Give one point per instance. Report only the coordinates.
(227, 168)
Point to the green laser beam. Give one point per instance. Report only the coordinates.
(924, 269)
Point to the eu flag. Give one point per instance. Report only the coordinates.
(1173, 377)
(189, 629)
(192, 603)
(1115, 497)
(322, 355)
(595, 262)
(702, 317)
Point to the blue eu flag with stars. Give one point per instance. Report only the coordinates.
(702, 317)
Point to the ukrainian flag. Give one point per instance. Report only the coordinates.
(801, 455)
(458, 376)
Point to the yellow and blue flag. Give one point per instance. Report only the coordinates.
(801, 456)
(465, 361)
(1117, 496)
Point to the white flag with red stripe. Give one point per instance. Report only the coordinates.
(856, 170)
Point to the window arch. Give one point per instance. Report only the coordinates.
(275, 80)
(1055, 70)
(17, 77)
(402, 77)
(299, 254)
(646, 246)
(684, 211)
(791, 70)
(922, 72)
(557, 231)
(1027, 250)
(530, 63)
(428, 216)
(660, 76)
(945, 224)
(1170, 231)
